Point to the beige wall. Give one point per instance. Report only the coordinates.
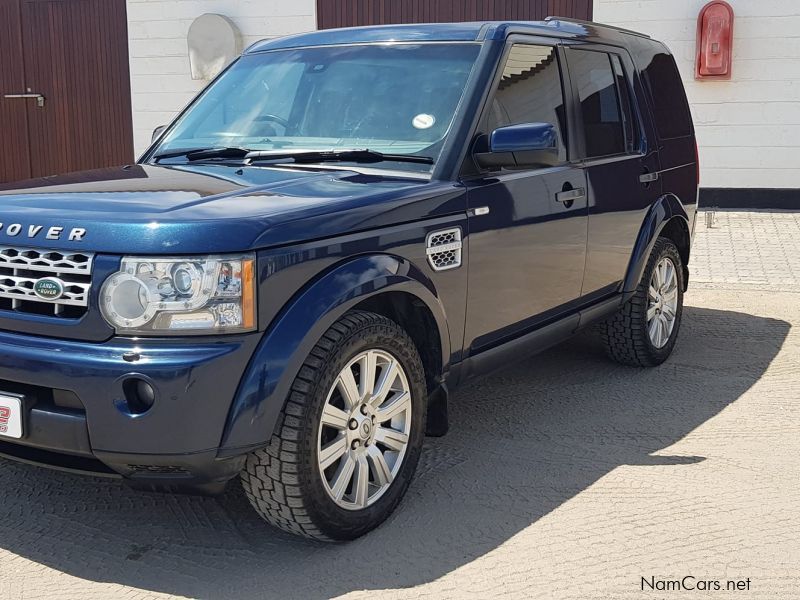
(748, 128)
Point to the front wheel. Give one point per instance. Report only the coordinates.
(350, 434)
(644, 330)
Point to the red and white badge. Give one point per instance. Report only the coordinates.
(10, 417)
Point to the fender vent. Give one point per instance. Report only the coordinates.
(444, 249)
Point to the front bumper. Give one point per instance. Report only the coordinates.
(77, 415)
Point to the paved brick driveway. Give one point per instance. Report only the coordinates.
(563, 477)
(749, 250)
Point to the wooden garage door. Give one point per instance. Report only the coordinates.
(74, 54)
(349, 13)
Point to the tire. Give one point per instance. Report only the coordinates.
(288, 483)
(627, 334)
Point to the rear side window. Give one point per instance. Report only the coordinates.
(530, 91)
(604, 96)
(670, 109)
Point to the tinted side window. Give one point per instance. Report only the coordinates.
(596, 81)
(530, 91)
(670, 109)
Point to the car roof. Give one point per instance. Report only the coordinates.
(445, 32)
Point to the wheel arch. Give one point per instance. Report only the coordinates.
(667, 217)
(387, 284)
(417, 319)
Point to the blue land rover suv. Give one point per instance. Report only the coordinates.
(339, 230)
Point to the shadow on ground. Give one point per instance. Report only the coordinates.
(522, 443)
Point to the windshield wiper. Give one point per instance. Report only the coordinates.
(316, 156)
(193, 154)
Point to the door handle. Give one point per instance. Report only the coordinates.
(571, 195)
(39, 98)
(648, 177)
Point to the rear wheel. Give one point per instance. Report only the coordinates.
(643, 332)
(350, 434)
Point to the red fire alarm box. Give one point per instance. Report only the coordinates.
(714, 41)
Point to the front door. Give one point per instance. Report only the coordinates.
(527, 228)
(64, 87)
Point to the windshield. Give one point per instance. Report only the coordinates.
(389, 98)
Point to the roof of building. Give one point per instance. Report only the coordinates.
(440, 32)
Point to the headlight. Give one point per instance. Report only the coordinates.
(181, 296)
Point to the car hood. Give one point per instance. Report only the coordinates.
(208, 208)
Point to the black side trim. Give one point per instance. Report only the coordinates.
(600, 311)
(521, 347)
(785, 199)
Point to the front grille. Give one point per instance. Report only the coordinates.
(22, 268)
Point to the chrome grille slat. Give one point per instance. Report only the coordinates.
(47, 261)
(21, 288)
(21, 268)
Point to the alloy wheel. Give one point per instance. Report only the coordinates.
(662, 302)
(365, 429)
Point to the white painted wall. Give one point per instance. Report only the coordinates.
(161, 82)
(748, 128)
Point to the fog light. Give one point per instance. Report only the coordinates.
(139, 395)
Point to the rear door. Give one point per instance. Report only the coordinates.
(618, 150)
(673, 122)
(527, 240)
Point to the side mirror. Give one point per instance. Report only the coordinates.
(157, 133)
(521, 146)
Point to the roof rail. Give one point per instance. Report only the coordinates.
(580, 22)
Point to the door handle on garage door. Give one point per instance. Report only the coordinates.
(569, 196)
(39, 98)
